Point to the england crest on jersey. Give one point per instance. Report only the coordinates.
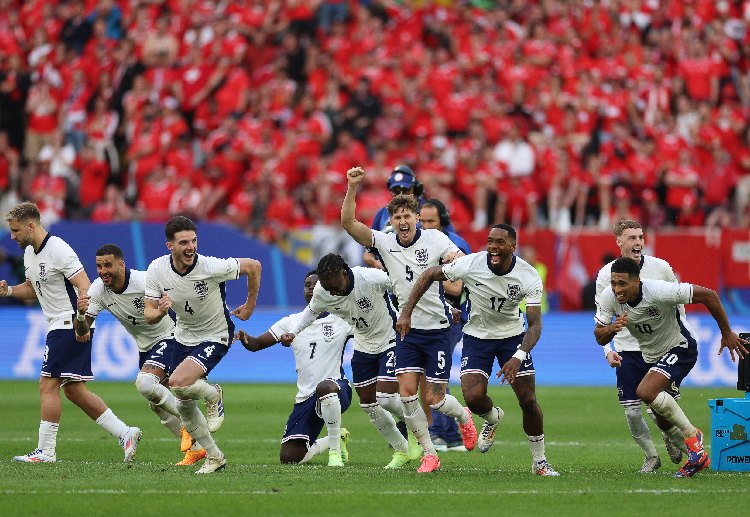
(201, 288)
(514, 292)
(139, 304)
(653, 312)
(328, 331)
(422, 256)
(42, 271)
(365, 304)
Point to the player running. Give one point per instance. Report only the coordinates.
(120, 291)
(193, 286)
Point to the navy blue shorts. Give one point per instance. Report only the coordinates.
(370, 368)
(206, 355)
(630, 374)
(65, 358)
(427, 352)
(479, 355)
(160, 356)
(676, 364)
(305, 422)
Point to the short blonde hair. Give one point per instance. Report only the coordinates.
(23, 212)
(625, 224)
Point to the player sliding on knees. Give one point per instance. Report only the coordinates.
(497, 281)
(649, 309)
(426, 350)
(192, 285)
(359, 295)
(120, 291)
(323, 393)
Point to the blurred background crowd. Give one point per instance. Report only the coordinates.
(546, 113)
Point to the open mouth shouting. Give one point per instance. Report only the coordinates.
(495, 259)
(403, 232)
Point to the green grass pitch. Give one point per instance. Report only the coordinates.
(587, 442)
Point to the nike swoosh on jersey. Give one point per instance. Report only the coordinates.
(478, 283)
(110, 305)
(167, 289)
(394, 251)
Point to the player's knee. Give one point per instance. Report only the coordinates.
(290, 456)
(325, 388)
(527, 402)
(184, 392)
(145, 383)
(645, 393)
(178, 381)
(73, 390)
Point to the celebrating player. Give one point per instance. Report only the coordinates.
(323, 393)
(120, 291)
(55, 276)
(406, 253)
(497, 281)
(626, 356)
(359, 295)
(649, 309)
(192, 285)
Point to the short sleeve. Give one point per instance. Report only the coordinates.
(66, 261)
(281, 327)
(317, 305)
(605, 310)
(222, 269)
(603, 281)
(377, 278)
(458, 269)
(96, 303)
(534, 291)
(379, 239)
(152, 290)
(445, 245)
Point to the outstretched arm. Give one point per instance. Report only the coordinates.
(423, 283)
(255, 344)
(252, 269)
(729, 339)
(24, 291)
(359, 231)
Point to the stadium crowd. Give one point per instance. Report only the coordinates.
(537, 113)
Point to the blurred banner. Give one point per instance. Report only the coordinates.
(566, 354)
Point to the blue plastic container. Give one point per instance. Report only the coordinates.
(730, 426)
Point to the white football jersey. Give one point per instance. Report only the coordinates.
(654, 319)
(367, 308)
(318, 350)
(494, 300)
(405, 264)
(198, 297)
(652, 268)
(49, 270)
(127, 306)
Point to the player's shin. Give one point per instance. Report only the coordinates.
(195, 424)
(416, 420)
(320, 446)
(639, 430)
(150, 387)
(667, 407)
(386, 426)
(110, 423)
(171, 422)
(330, 411)
(452, 407)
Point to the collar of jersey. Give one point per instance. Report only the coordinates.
(351, 282)
(512, 265)
(322, 315)
(415, 239)
(125, 284)
(640, 296)
(643, 259)
(44, 242)
(186, 273)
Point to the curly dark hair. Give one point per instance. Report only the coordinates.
(330, 266)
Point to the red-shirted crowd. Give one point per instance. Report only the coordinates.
(537, 113)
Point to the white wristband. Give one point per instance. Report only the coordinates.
(521, 355)
(80, 317)
(9, 292)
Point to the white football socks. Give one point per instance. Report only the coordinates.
(416, 421)
(195, 424)
(386, 426)
(536, 444)
(330, 411)
(110, 423)
(391, 402)
(48, 437)
(320, 446)
(668, 407)
(450, 406)
(493, 416)
(639, 430)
